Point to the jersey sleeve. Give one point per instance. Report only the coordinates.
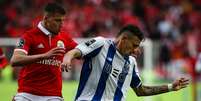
(91, 47)
(135, 81)
(24, 43)
(71, 44)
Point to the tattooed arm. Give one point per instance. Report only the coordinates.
(154, 90)
(150, 90)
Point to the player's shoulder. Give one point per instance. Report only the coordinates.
(30, 33)
(104, 41)
(132, 59)
(95, 42)
(66, 37)
(64, 34)
(98, 40)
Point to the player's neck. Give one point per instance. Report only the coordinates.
(118, 47)
(47, 28)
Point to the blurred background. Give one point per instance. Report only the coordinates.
(171, 49)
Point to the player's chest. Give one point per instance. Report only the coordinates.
(44, 44)
(121, 69)
(116, 67)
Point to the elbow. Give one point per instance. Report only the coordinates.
(13, 63)
(17, 59)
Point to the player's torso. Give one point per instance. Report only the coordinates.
(43, 43)
(114, 75)
(40, 74)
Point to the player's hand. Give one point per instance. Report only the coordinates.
(65, 66)
(180, 83)
(57, 51)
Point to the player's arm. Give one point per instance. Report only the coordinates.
(68, 57)
(143, 90)
(86, 49)
(20, 58)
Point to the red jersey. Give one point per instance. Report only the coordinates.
(43, 77)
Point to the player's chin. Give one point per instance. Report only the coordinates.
(55, 31)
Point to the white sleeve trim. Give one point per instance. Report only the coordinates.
(22, 50)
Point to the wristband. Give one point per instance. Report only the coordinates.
(170, 87)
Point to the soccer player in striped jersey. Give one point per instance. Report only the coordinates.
(110, 68)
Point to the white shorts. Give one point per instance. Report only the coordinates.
(31, 97)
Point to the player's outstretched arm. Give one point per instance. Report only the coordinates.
(154, 90)
(66, 64)
(19, 58)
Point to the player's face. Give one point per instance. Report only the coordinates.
(54, 22)
(130, 46)
(136, 51)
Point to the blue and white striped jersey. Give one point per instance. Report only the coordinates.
(106, 75)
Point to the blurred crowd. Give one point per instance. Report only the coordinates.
(173, 25)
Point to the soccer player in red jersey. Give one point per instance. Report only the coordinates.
(40, 52)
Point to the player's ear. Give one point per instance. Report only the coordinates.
(124, 37)
(45, 17)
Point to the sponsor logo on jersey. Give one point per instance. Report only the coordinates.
(115, 72)
(51, 62)
(60, 44)
(88, 43)
(20, 43)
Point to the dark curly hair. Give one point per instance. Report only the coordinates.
(133, 29)
(54, 8)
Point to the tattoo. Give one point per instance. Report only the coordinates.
(150, 90)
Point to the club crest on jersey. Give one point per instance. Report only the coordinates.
(88, 43)
(122, 77)
(123, 74)
(40, 45)
(20, 43)
(107, 68)
(60, 44)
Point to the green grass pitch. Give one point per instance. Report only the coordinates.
(8, 90)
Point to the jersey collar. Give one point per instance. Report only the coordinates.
(43, 29)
